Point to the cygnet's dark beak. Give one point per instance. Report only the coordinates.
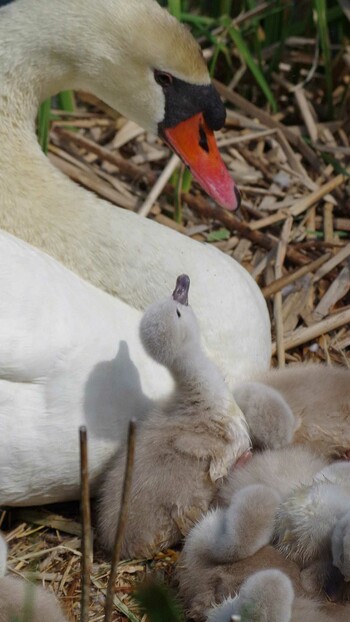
(180, 293)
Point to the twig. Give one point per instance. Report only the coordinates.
(303, 335)
(304, 108)
(280, 283)
(89, 180)
(159, 185)
(86, 547)
(277, 307)
(121, 521)
(333, 262)
(328, 222)
(125, 166)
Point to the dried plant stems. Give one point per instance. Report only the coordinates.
(281, 282)
(280, 256)
(268, 121)
(158, 187)
(333, 262)
(86, 521)
(302, 205)
(303, 335)
(121, 521)
(125, 166)
(201, 206)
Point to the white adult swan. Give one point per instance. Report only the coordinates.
(143, 63)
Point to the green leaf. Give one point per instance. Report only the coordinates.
(219, 234)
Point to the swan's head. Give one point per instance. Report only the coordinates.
(169, 329)
(148, 66)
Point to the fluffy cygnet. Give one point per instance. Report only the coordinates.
(313, 522)
(281, 470)
(317, 395)
(20, 600)
(229, 543)
(268, 596)
(270, 420)
(184, 447)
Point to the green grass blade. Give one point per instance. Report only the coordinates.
(66, 101)
(225, 7)
(174, 7)
(44, 124)
(250, 62)
(200, 21)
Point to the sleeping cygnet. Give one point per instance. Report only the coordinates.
(185, 446)
(313, 522)
(317, 395)
(230, 542)
(22, 601)
(268, 596)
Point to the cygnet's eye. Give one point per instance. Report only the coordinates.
(163, 78)
(178, 313)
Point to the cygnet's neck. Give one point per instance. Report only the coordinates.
(196, 374)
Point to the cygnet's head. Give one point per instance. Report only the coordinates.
(169, 330)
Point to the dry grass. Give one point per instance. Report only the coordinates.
(53, 558)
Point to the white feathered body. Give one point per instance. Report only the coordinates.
(62, 340)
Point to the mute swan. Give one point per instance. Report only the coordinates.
(46, 46)
(187, 443)
(63, 373)
(317, 395)
(23, 601)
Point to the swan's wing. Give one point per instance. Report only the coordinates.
(70, 355)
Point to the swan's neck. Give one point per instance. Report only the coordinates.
(43, 50)
(29, 70)
(47, 46)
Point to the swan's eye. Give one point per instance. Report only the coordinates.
(178, 313)
(163, 78)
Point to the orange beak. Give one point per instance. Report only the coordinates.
(195, 143)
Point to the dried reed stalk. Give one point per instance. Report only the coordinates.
(86, 545)
(280, 257)
(121, 521)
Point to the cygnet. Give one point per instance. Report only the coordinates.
(268, 596)
(21, 600)
(187, 444)
(317, 395)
